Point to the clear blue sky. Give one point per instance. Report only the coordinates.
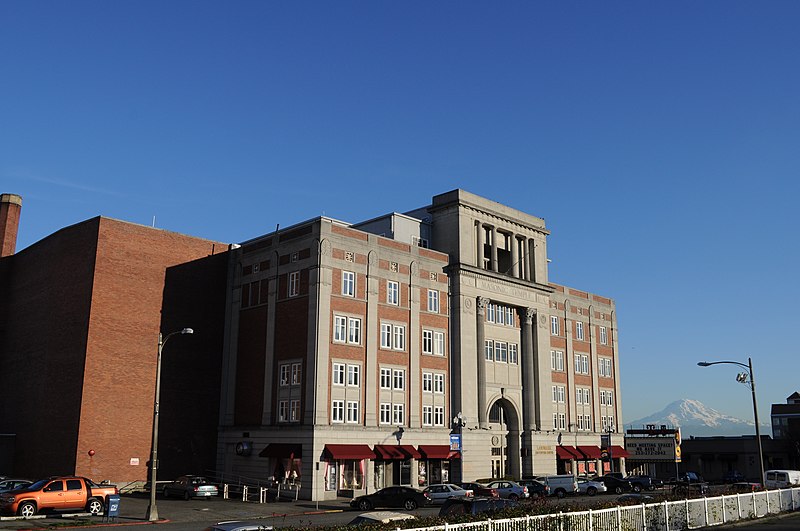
(659, 140)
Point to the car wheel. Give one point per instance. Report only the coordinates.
(560, 493)
(364, 505)
(94, 506)
(618, 490)
(410, 504)
(186, 495)
(26, 509)
(513, 497)
(637, 488)
(591, 491)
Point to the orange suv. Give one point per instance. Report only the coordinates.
(57, 493)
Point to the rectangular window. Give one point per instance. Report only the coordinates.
(438, 383)
(399, 337)
(512, 353)
(605, 367)
(501, 351)
(352, 412)
(386, 378)
(558, 394)
(296, 373)
(339, 329)
(294, 283)
(427, 415)
(353, 375)
(386, 335)
(438, 415)
(556, 360)
(489, 350)
(283, 411)
(338, 374)
(579, 330)
(603, 336)
(427, 382)
(348, 283)
(398, 414)
(427, 342)
(433, 301)
(284, 375)
(295, 413)
(438, 343)
(581, 364)
(399, 379)
(392, 292)
(582, 396)
(337, 411)
(386, 413)
(554, 325)
(562, 421)
(354, 330)
(490, 316)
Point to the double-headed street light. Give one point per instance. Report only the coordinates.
(152, 510)
(749, 380)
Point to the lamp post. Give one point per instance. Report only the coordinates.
(152, 510)
(459, 421)
(749, 380)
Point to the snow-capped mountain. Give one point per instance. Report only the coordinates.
(695, 418)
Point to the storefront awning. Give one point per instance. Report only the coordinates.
(438, 451)
(349, 451)
(395, 452)
(619, 451)
(567, 452)
(283, 450)
(590, 452)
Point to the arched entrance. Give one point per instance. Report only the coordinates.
(505, 433)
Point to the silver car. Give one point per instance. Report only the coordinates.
(509, 489)
(188, 487)
(587, 486)
(439, 492)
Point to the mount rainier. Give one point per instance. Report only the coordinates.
(696, 419)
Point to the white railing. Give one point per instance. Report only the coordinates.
(665, 516)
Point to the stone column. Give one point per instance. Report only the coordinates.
(494, 249)
(481, 245)
(514, 256)
(531, 260)
(528, 400)
(481, 335)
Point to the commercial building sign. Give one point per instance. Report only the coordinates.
(650, 448)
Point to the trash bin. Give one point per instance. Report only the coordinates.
(112, 507)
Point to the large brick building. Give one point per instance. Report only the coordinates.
(80, 313)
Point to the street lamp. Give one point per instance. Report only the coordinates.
(459, 421)
(749, 380)
(152, 510)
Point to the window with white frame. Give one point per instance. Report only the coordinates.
(606, 398)
(433, 301)
(399, 337)
(603, 336)
(556, 360)
(352, 411)
(605, 367)
(562, 421)
(392, 292)
(386, 335)
(386, 378)
(581, 364)
(607, 422)
(488, 350)
(490, 312)
(297, 373)
(294, 283)
(438, 383)
(584, 422)
(337, 411)
(427, 341)
(353, 375)
(386, 413)
(427, 415)
(582, 395)
(513, 357)
(339, 329)
(559, 394)
(399, 379)
(283, 411)
(354, 330)
(438, 415)
(348, 283)
(295, 411)
(554, 329)
(501, 351)
(284, 372)
(579, 330)
(338, 373)
(427, 382)
(398, 414)
(438, 343)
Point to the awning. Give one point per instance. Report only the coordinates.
(590, 452)
(395, 452)
(438, 451)
(349, 451)
(283, 450)
(619, 451)
(567, 452)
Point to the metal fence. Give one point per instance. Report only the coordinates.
(665, 516)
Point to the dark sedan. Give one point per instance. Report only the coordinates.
(397, 496)
(615, 485)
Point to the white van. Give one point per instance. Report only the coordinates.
(781, 479)
(560, 485)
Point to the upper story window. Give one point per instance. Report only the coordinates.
(558, 394)
(438, 383)
(392, 292)
(294, 283)
(513, 357)
(393, 336)
(338, 373)
(581, 364)
(284, 372)
(582, 395)
(579, 330)
(556, 360)
(399, 379)
(433, 301)
(386, 378)
(346, 329)
(605, 367)
(348, 283)
(399, 337)
(353, 375)
(296, 373)
(554, 328)
(500, 314)
(427, 382)
(603, 336)
(438, 343)
(427, 341)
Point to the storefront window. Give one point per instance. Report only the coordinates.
(352, 474)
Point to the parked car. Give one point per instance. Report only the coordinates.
(560, 484)
(641, 482)
(61, 492)
(240, 525)
(439, 492)
(479, 489)
(732, 476)
(781, 479)
(591, 487)
(380, 517)
(475, 505)
(188, 487)
(614, 484)
(509, 489)
(536, 489)
(13, 484)
(397, 496)
(686, 488)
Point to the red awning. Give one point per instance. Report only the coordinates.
(395, 452)
(590, 452)
(438, 451)
(567, 452)
(283, 450)
(349, 451)
(619, 451)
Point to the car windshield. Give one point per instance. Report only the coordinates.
(39, 485)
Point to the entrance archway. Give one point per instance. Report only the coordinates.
(505, 439)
